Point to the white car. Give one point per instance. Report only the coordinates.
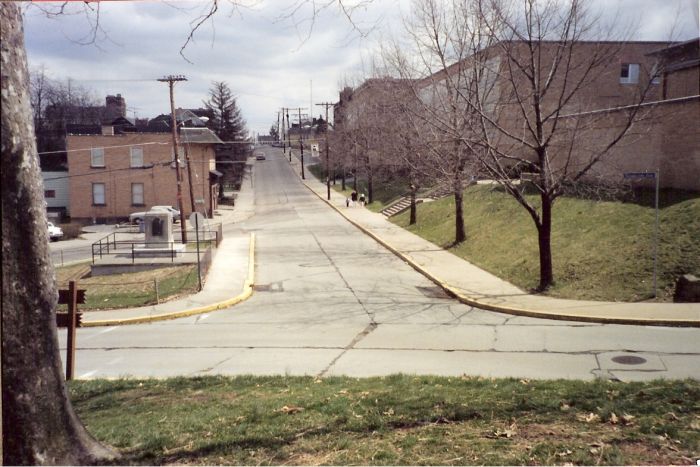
(55, 233)
(137, 217)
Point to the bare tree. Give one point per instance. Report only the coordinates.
(55, 104)
(39, 424)
(433, 64)
(533, 118)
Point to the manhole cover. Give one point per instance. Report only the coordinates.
(629, 360)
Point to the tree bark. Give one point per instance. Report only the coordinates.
(39, 424)
(544, 236)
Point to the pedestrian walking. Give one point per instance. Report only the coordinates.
(362, 199)
(347, 202)
(353, 197)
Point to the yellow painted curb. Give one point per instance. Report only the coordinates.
(245, 294)
(471, 301)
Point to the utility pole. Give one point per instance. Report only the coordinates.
(171, 79)
(328, 157)
(289, 140)
(189, 180)
(301, 146)
(278, 126)
(284, 141)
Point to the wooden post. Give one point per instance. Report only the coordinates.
(155, 285)
(70, 345)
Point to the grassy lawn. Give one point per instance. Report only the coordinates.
(397, 420)
(132, 289)
(601, 250)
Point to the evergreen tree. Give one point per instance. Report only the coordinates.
(226, 119)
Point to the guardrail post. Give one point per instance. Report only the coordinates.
(100, 248)
(132, 253)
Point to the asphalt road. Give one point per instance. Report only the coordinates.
(329, 300)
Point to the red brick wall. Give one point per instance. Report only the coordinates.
(160, 186)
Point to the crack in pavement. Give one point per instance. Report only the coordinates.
(370, 327)
(342, 277)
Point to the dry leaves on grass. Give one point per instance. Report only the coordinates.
(291, 409)
(588, 418)
(509, 432)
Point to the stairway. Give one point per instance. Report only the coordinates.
(400, 205)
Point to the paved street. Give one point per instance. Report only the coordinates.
(329, 300)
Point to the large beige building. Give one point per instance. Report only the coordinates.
(611, 78)
(114, 173)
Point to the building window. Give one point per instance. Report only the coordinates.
(98, 194)
(97, 157)
(629, 73)
(49, 193)
(137, 194)
(136, 157)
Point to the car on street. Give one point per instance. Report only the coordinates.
(55, 232)
(260, 156)
(138, 217)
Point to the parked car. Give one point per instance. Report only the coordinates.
(55, 233)
(260, 156)
(137, 217)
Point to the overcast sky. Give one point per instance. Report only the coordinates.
(267, 58)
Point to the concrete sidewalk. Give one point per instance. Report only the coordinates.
(229, 281)
(476, 287)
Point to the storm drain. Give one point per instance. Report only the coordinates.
(629, 360)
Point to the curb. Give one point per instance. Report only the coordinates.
(244, 295)
(506, 309)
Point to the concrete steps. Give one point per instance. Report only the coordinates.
(399, 206)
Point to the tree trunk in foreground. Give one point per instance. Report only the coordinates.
(413, 217)
(39, 425)
(544, 236)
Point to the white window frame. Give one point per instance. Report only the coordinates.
(137, 194)
(97, 157)
(96, 194)
(632, 75)
(136, 156)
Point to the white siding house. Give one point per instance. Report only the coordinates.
(56, 193)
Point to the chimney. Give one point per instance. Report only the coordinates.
(107, 130)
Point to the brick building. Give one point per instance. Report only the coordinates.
(666, 78)
(113, 173)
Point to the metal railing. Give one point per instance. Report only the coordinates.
(112, 246)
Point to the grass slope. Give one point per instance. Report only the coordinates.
(601, 250)
(397, 420)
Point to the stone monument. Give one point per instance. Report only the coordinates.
(159, 229)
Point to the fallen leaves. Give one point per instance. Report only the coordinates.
(508, 432)
(588, 418)
(291, 409)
